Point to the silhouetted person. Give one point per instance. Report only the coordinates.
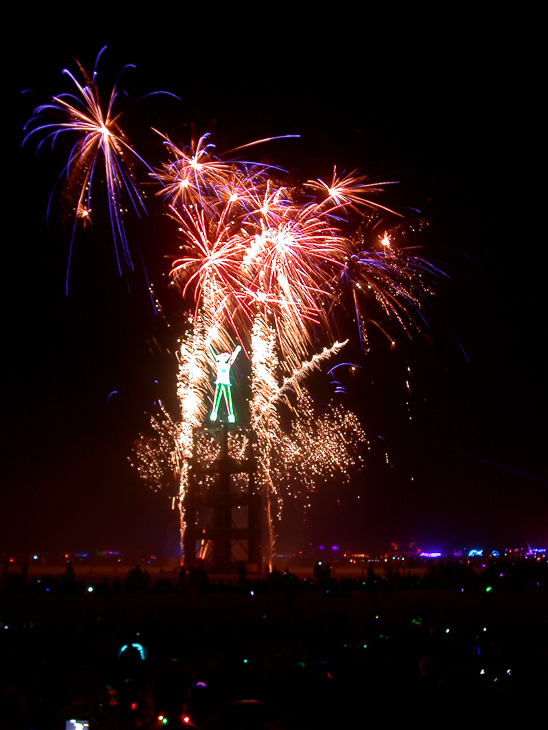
(134, 580)
(275, 579)
(69, 572)
(242, 573)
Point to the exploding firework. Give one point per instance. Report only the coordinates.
(276, 268)
(272, 269)
(101, 149)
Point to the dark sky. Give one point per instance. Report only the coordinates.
(451, 113)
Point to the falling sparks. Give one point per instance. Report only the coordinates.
(272, 269)
(269, 268)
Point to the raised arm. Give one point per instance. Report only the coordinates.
(234, 354)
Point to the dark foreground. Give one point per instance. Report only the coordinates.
(277, 654)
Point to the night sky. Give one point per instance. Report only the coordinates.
(453, 114)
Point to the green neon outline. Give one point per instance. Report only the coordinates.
(222, 383)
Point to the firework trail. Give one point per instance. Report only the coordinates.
(252, 241)
(101, 150)
(272, 267)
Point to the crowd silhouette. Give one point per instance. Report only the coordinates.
(450, 645)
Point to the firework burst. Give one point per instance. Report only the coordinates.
(272, 268)
(101, 149)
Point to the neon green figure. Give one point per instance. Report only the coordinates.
(224, 362)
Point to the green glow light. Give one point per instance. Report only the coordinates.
(224, 362)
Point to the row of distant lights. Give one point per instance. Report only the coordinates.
(531, 552)
(106, 553)
(473, 553)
